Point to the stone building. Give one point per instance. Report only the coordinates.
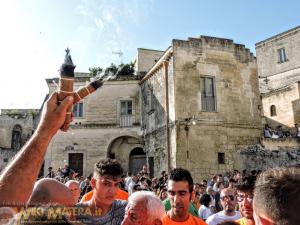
(200, 104)
(278, 63)
(106, 124)
(145, 59)
(16, 127)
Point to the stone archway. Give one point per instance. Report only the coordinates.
(121, 147)
(137, 158)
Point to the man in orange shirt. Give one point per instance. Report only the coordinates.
(180, 187)
(245, 188)
(121, 195)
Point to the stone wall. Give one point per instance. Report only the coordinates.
(103, 106)
(7, 124)
(268, 57)
(281, 86)
(235, 123)
(283, 101)
(258, 158)
(280, 143)
(98, 132)
(145, 59)
(6, 156)
(153, 105)
(25, 119)
(95, 144)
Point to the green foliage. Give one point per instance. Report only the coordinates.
(94, 71)
(127, 69)
(112, 69)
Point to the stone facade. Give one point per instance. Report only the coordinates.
(101, 131)
(172, 94)
(257, 157)
(285, 101)
(145, 59)
(278, 62)
(280, 143)
(16, 127)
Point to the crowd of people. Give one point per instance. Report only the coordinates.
(108, 197)
(280, 132)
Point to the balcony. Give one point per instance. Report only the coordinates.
(126, 121)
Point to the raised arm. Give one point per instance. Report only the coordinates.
(18, 178)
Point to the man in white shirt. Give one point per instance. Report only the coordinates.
(228, 201)
(134, 181)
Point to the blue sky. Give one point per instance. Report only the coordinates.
(34, 34)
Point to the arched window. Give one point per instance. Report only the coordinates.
(16, 139)
(273, 110)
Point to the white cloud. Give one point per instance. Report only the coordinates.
(113, 19)
(107, 16)
(99, 23)
(28, 56)
(82, 10)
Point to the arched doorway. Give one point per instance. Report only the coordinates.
(137, 159)
(121, 147)
(16, 139)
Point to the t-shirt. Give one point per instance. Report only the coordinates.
(121, 195)
(242, 221)
(192, 209)
(204, 212)
(192, 220)
(220, 217)
(114, 217)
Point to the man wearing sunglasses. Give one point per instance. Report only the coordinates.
(228, 202)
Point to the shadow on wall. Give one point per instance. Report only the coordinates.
(154, 125)
(273, 123)
(296, 110)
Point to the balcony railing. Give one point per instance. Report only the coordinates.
(208, 103)
(126, 121)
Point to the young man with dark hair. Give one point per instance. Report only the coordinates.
(105, 183)
(277, 197)
(245, 188)
(180, 187)
(204, 211)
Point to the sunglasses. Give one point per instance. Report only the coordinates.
(227, 197)
(241, 198)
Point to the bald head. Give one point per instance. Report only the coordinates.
(51, 191)
(228, 201)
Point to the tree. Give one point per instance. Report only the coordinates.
(112, 69)
(127, 69)
(94, 71)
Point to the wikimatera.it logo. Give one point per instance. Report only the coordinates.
(14, 215)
